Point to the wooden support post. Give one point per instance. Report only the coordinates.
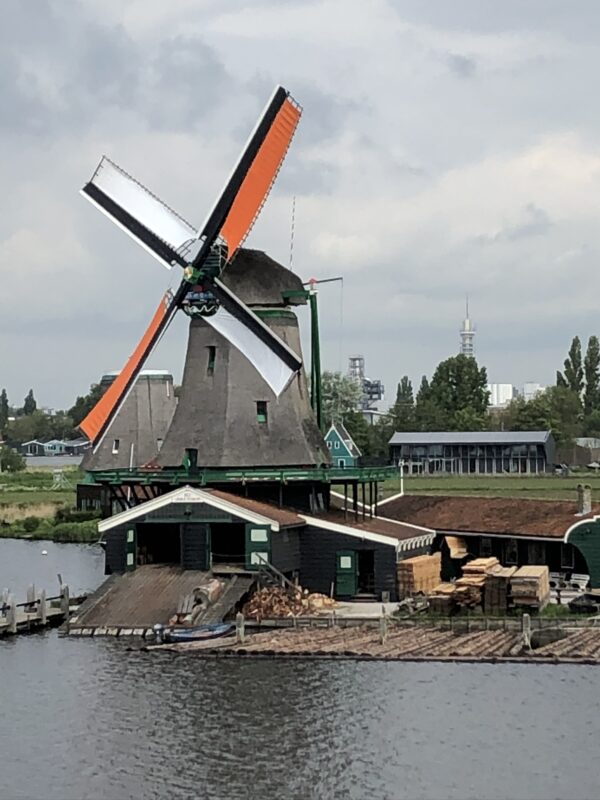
(31, 599)
(12, 614)
(240, 628)
(43, 608)
(526, 631)
(383, 628)
(364, 501)
(64, 603)
(345, 500)
(4, 601)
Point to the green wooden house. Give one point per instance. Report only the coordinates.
(343, 450)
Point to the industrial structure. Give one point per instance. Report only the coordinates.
(467, 334)
(372, 390)
(473, 452)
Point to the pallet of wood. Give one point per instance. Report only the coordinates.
(469, 590)
(419, 575)
(441, 599)
(480, 566)
(275, 602)
(530, 587)
(497, 589)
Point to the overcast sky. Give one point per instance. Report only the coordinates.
(444, 148)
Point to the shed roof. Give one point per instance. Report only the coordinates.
(472, 437)
(243, 507)
(504, 516)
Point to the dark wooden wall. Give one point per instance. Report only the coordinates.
(116, 550)
(318, 549)
(194, 545)
(285, 550)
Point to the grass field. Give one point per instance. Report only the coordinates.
(548, 487)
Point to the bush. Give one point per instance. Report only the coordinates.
(30, 524)
(75, 532)
(10, 460)
(65, 514)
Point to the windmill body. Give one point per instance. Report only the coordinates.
(227, 413)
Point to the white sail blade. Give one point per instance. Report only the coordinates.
(273, 370)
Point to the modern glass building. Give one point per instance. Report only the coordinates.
(474, 452)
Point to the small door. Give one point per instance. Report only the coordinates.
(346, 573)
(130, 549)
(195, 545)
(258, 545)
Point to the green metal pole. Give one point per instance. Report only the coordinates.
(315, 364)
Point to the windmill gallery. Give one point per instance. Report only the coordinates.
(234, 478)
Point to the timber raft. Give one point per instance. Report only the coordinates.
(399, 644)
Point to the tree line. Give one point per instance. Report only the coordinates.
(456, 399)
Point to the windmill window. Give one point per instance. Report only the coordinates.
(159, 444)
(210, 366)
(116, 445)
(261, 411)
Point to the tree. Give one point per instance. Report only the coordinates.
(459, 391)
(4, 411)
(591, 367)
(33, 426)
(83, 405)
(572, 377)
(29, 406)
(10, 460)
(557, 409)
(402, 413)
(341, 395)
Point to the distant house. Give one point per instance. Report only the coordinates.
(55, 447)
(32, 448)
(473, 452)
(344, 452)
(76, 447)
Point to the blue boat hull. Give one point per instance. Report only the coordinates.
(197, 633)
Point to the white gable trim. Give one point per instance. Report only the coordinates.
(579, 522)
(185, 494)
(335, 527)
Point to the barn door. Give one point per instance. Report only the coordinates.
(130, 549)
(346, 573)
(195, 546)
(258, 545)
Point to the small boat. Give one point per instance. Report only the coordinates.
(196, 633)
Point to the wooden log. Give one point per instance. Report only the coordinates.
(240, 628)
(43, 608)
(11, 616)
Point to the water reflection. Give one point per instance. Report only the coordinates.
(92, 719)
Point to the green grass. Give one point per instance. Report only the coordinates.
(547, 487)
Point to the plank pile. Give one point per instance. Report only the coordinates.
(530, 587)
(470, 588)
(420, 574)
(275, 602)
(497, 589)
(441, 600)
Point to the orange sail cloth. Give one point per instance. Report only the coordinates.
(260, 177)
(96, 422)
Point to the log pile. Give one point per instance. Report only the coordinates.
(497, 589)
(530, 587)
(275, 602)
(418, 575)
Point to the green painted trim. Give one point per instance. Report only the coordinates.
(267, 313)
(206, 477)
(585, 536)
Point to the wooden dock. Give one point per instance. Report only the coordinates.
(37, 612)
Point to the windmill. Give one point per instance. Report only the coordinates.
(212, 293)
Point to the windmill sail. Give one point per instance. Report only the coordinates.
(97, 422)
(148, 220)
(276, 362)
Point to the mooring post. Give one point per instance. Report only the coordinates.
(64, 603)
(526, 630)
(31, 599)
(240, 628)
(4, 602)
(43, 608)
(12, 614)
(383, 629)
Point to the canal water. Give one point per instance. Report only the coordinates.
(93, 719)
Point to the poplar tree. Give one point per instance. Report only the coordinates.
(572, 377)
(4, 410)
(591, 365)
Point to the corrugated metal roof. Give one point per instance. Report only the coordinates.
(472, 437)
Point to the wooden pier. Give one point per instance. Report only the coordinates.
(38, 611)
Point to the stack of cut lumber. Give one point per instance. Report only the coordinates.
(497, 586)
(469, 588)
(420, 574)
(441, 600)
(530, 587)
